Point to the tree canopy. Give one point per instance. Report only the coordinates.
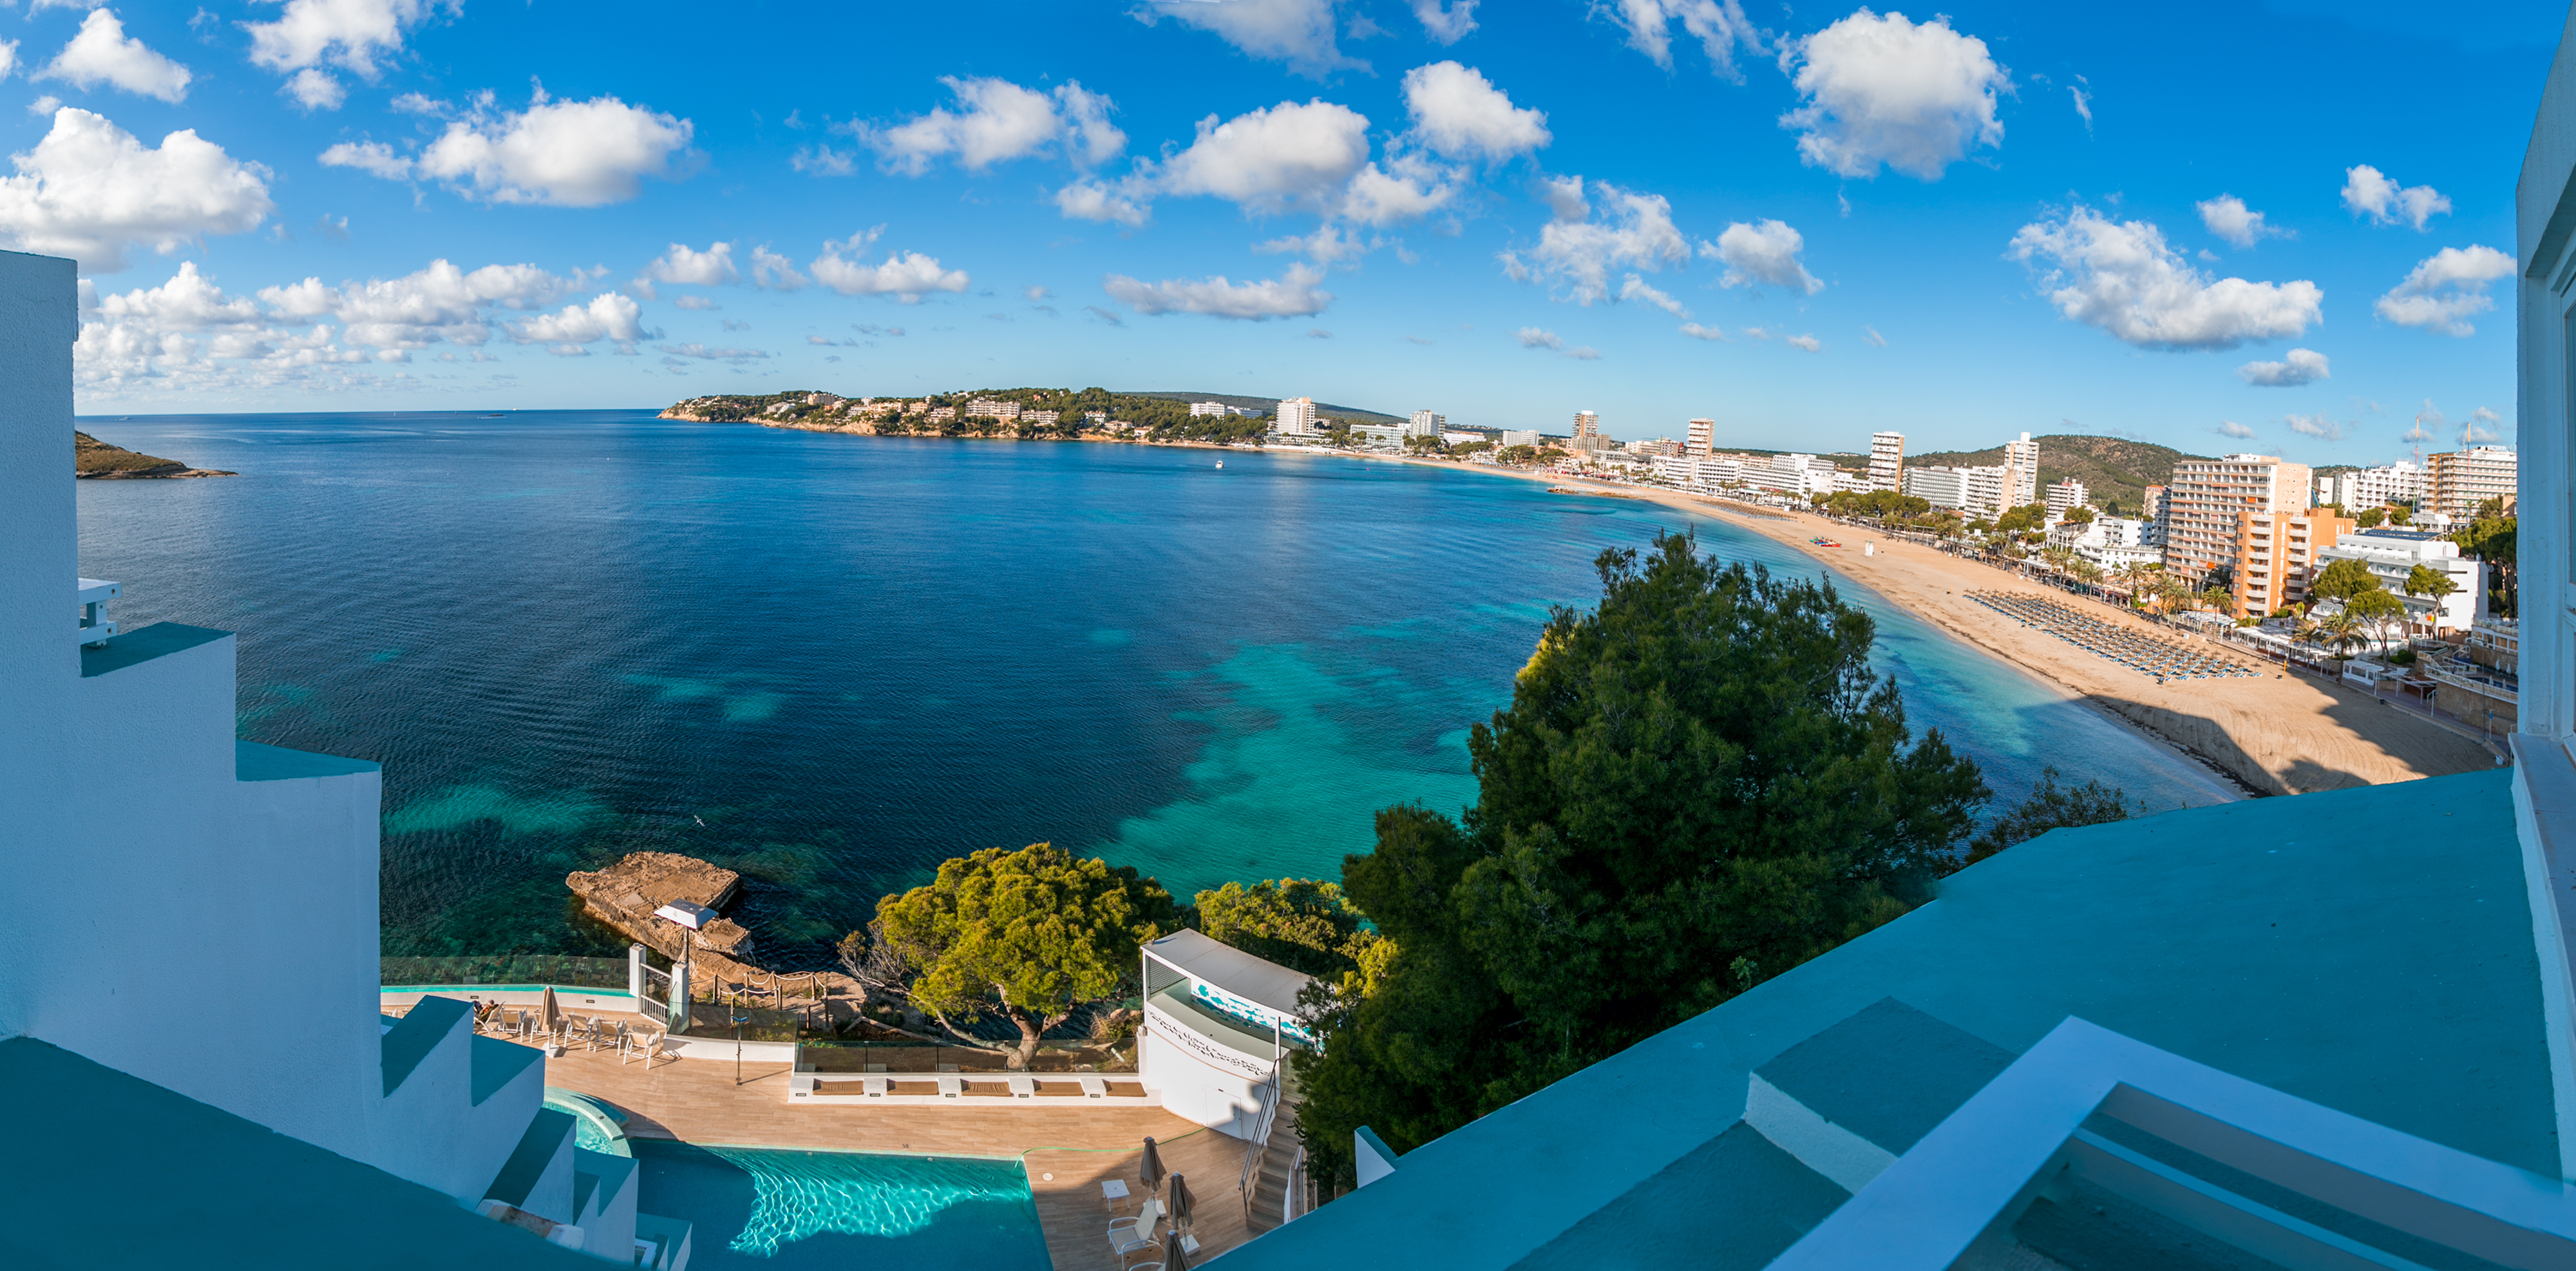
(1299, 923)
(1029, 936)
(1696, 786)
(2052, 805)
(2342, 580)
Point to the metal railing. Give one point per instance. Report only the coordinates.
(1257, 1150)
(816, 1056)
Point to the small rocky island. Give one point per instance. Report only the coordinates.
(95, 460)
(625, 894)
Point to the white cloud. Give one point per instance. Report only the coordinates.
(1445, 21)
(2120, 276)
(2230, 428)
(2083, 106)
(1272, 159)
(2445, 288)
(372, 157)
(1035, 293)
(2482, 425)
(1414, 189)
(1460, 114)
(696, 302)
(1698, 332)
(720, 354)
(1636, 289)
(315, 90)
(1292, 295)
(1297, 32)
(1098, 201)
(102, 52)
(2300, 366)
(1807, 342)
(1876, 341)
(440, 303)
(2241, 226)
(1719, 25)
(685, 265)
(1577, 252)
(45, 105)
(1763, 253)
(1883, 90)
(351, 34)
(996, 121)
(1537, 338)
(774, 271)
(907, 276)
(90, 190)
(1327, 245)
(2314, 426)
(9, 58)
(2369, 193)
(610, 316)
(565, 154)
(1585, 353)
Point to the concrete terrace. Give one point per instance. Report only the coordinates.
(2368, 949)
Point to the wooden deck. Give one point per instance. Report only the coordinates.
(1065, 1151)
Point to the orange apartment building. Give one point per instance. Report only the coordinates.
(2208, 500)
(2275, 554)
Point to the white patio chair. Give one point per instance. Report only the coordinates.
(1136, 1235)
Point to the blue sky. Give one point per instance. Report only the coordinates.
(1807, 223)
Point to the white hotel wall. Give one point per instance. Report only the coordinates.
(213, 936)
(1195, 1090)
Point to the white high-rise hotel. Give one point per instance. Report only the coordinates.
(1297, 415)
(1886, 460)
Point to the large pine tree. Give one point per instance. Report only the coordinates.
(1697, 786)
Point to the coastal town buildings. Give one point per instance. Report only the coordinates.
(2457, 482)
(1461, 437)
(1519, 437)
(1697, 472)
(2020, 477)
(1939, 486)
(2111, 542)
(1426, 423)
(1587, 438)
(1699, 436)
(2277, 553)
(1208, 410)
(992, 408)
(2391, 553)
(2063, 496)
(2208, 500)
(1796, 475)
(2399, 482)
(1297, 416)
(1887, 461)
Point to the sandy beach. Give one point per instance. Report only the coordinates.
(2289, 734)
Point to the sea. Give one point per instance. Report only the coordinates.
(832, 662)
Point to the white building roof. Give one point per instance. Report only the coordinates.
(1256, 980)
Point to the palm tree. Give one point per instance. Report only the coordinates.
(2342, 629)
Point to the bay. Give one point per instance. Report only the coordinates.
(832, 662)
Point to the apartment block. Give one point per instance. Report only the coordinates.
(1886, 460)
(2399, 482)
(2064, 496)
(2020, 477)
(2458, 482)
(992, 408)
(1702, 432)
(1941, 487)
(2391, 555)
(2276, 556)
(1297, 415)
(1426, 423)
(2205, 507)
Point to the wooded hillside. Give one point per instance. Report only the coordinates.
(2115, 471)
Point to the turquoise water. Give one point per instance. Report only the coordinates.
(783, 1209)
(832, 662)
(594, 1125)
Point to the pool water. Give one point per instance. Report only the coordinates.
(780, 1209)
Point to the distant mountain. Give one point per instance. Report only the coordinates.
(2115, 471)
(1268, 405)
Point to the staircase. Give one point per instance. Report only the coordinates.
(466, 1115)
(1278, 1179)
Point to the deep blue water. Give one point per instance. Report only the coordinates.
(833, 662)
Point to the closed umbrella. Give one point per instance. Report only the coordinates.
(1173, 1258)
(1181, 1218)
(1150, 1170)
(551, 1012)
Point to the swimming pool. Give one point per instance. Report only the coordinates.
(782, 1210)
(596, 1123)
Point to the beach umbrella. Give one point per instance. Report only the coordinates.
(1173, 1258)
(1150, 1170)
(1182, 1220)
(551, 1012)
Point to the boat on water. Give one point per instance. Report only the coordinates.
(1220, 463)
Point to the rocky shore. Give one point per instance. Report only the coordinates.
(95, 460)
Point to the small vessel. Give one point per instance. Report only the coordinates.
(1220, 463)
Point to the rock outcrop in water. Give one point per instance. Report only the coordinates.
(625, 894)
